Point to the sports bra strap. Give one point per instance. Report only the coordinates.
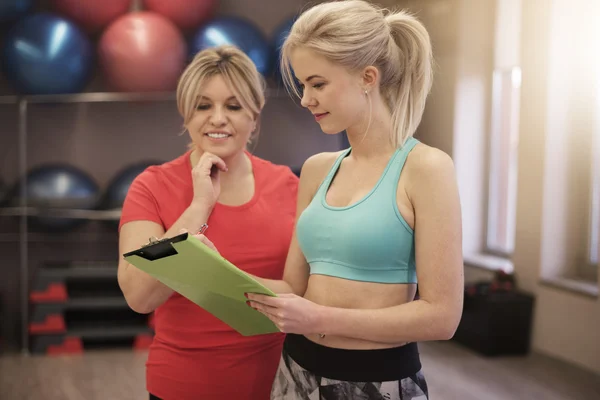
(332, 171)
(400, 160)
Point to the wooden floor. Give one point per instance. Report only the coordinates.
(452, 373)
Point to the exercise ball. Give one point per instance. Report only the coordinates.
(279, 36)
(59, 186)
(118, 187)
(3, 193)
(186, 14)
(142, 52)
(238, 32)
(46, 54)
(11, 10)
(92, 15)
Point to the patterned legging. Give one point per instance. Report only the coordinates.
(293, 382)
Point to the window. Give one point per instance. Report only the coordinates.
(591, 270)
(504, 139)
(488, 109)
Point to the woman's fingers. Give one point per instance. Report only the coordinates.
(208, 160)
(206, 241)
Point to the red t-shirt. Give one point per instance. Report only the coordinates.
(194, 355)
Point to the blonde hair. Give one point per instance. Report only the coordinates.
(357, 34)
(238, 71)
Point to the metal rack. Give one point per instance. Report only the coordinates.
(23, 211)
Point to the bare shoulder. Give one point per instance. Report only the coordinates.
(428, 165)
(316, 167)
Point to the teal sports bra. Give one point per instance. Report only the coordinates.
(367, 241)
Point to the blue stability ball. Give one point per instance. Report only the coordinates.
(279, 37)
(119, 186)
(3, 193)
(238, 32)
(11, 10)
(46, 54)
(60, 186)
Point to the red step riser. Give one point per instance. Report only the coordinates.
(55, 293)
(54, 323)
(69, 346)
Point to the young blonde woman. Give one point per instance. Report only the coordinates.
(219, 183)
(374, 219)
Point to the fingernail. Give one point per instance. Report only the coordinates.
(248, 304)
(246, 295)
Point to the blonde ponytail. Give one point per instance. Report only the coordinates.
(414, 75)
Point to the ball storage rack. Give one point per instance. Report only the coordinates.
(60, 310)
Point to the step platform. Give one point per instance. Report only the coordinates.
(53, 281)
(48, 318)
(86, 328)
(77, 306)
(78, 341)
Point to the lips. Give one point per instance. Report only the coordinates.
(319, 116)
(218, 135)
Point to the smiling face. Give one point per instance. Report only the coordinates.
(330, 92)
(220, 125)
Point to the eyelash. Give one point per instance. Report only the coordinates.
(317, 86)
(203, 107)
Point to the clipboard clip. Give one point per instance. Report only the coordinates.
(153, 240)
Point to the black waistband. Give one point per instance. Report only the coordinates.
(354, 365)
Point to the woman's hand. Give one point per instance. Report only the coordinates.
(203, 239)
(207, 242)
(205, 179)
(289, 312)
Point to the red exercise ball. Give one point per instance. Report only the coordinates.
(92, 15)
(142, 52)
(186, 14)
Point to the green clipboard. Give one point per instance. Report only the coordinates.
(192, 269)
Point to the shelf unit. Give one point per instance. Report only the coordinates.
(22, 211)
(106, 215)
(273, 91)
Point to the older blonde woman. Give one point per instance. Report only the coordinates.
(217, 181)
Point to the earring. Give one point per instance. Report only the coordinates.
(366, 93)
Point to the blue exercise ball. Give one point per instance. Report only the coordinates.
(3, 193)
(119, 185)
(279, 36)
(47, 54)
(238, 32)
(11, 10)
(296, 170)
(59, 186)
